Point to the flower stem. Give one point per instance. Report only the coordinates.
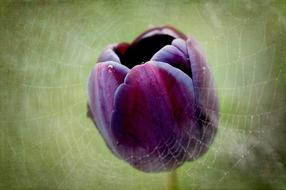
(172, 180)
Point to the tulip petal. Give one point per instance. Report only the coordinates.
(202, 77)
(181, 45)
(103, 81)
(174, 56)
(205, 92)
(154, 116)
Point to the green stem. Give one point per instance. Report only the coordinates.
(172, 181)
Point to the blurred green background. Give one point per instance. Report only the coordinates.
(48, 48)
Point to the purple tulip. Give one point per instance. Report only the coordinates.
(154, 100)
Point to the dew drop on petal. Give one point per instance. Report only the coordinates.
(110, 68)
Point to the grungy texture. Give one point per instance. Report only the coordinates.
(48, 48)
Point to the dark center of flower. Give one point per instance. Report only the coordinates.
(142, 51)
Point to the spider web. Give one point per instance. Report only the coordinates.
(49, 48)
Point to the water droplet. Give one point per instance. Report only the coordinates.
(110, 68)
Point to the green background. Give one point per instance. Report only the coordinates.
(48, 48)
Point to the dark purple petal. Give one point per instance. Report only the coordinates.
(172, 55)
(181, 45)
(153, 117)
(202, 77)
(103, 81)
(205, 92)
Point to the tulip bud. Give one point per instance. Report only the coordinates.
(154, 100)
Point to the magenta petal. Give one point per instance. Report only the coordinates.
(103, 82)
(153, 117)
